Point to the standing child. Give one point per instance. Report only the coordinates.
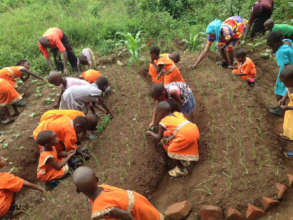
(86, 57)
(9, 185)
(163, 69)
(64, 83)
(246, 68)
(109, 202)
(284, 55)
(52, 165)
(179, 136)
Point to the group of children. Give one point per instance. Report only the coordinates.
(61, 131)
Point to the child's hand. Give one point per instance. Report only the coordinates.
(71, 153)
(151, 124)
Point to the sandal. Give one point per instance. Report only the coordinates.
(176, 172)
(185, 163)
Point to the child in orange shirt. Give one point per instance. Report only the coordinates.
(109, 202)
(90, 75)
(246, 68)
(52, 165)
(10, 184)
(179, 138)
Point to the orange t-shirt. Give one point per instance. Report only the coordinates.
(10, 73)
(54, 35)
(247, 67)
(8, 94)
(9, 184)
(91, 75)
(65, 132)
(113, 197)
(45, 172)
(56, 113)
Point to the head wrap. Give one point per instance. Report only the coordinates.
(215, 28)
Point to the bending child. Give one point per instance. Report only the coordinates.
(86, 57)
(178, 92)
(64, 83)
(283, 50)
(179, 138)
(246, 68)
(163, 69)
(9, 185)
(109, 202)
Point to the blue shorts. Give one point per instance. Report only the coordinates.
(188, 106)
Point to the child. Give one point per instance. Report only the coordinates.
(10, 184)
(66, 131)
(64, 83)
(51, 165)
(284, 55)
(246, 68)
(86, 97)
(175, 56)
(90, 75)
(163, 69)
(285, 29)
(18, 71)
(109, 202)
(179, 136)
(86, 57)
(179, 92)
(8, 97)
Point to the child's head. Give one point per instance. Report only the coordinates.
(85, 180)
(82, 59)
(275, 40)
(240, 54)
(24, 63)
(47, 138)
(92, 122)
(163, 109)
(287, 76)
(269, 24)
(155, 53)
(55, 78)
(158, 92)
(80, 124)
(2, 162)
(175, 57)
(44, 42)
(102, 83)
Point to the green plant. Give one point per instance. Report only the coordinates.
(194, 41)
(133, 44)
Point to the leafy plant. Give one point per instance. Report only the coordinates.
(133, 44)
(194, 41)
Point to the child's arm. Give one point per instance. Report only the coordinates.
(283, 100)
(33, 186)
(31, 73)
(59, 98)
(117, 214)
(53, 163)
(103, 105)
(154, 114)
(157, 136)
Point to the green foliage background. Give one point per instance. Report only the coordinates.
(95, 23)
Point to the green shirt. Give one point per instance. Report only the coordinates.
(285, 29)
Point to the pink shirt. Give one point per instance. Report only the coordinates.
(71, 81)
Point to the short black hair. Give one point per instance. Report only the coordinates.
(21, 62)
(174, 105)
(44, 137)
(287, 73)
(155, 50)
(81, 121)
(240, 52)
(102, 83)
(274, 37)
(156, 90)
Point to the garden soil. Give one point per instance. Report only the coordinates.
(240, 154)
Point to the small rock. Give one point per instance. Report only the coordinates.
(210, 212)
(253, 212)
(177, 211)
(290, 177)
(233, 214)
(119, 63)
(268, 202)
(281, 190)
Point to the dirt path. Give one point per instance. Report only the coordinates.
(240, 158)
